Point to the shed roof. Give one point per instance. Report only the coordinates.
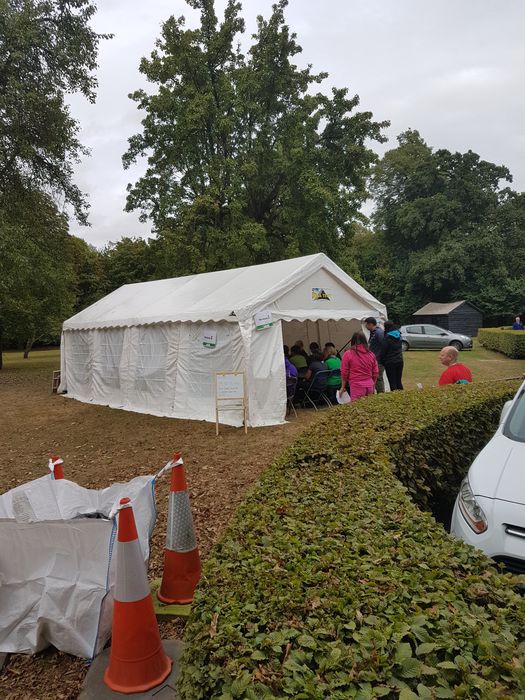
(436, 309)
(231, 294)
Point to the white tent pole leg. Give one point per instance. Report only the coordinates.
(63, 382)
(245, 328)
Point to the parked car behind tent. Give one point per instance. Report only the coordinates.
(154, 347)
(429, 337)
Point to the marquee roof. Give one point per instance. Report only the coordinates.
(235, 295)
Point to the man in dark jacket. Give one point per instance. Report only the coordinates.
(391, 356)
(374, 344)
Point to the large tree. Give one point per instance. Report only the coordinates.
(445, 229)
(37, 285)
(422, 194)
(127, 261)
(88, 270)
(246, 162)
(47, 49)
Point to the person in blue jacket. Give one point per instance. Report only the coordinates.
(517, 325)
(391, 356)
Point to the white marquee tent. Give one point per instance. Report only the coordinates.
(142, 347)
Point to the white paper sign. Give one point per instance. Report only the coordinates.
(342, 397)
(263, 319)
(230, 385)
(209, 338)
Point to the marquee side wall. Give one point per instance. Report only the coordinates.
(165, 369)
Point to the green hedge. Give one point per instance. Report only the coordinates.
(331, 583)
(509, 342)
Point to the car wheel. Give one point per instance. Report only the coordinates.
(456, 344)
(404, 346)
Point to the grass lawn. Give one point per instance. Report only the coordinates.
(37, 360)
(423, 366)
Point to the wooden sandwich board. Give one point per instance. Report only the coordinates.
(230, 395)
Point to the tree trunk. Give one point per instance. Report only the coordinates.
(1, 358)
(29, 345)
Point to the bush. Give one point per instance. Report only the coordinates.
(507, 341)
(332, 583)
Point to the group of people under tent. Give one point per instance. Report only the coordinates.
(304, 367)
(361, 369)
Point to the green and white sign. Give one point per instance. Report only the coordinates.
(263, 319)
(209, 338)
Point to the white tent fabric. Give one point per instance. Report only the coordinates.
(141, 347)
(57, 562)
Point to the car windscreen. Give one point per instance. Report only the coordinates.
(515, 423)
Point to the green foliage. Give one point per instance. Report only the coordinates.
(509, 342)
(87, 263)
(127, 261)
(331, 583)
(36, 276)
(246, 164)
(47, 49)
(367, 259)
(423, 194)
(445, 230)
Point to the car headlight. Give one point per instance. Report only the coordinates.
(470, 509)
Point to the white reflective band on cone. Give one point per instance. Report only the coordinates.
(180, 535)
(132, 582)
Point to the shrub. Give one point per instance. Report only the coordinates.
(332, 583)
(509, 342)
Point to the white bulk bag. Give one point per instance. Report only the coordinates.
(57, 562)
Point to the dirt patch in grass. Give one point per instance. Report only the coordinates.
(100, 446)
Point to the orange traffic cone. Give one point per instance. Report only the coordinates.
(55, 467)
(182, 563)
(137, 661)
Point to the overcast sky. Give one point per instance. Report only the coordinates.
(454, 70)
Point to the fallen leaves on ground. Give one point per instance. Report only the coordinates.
(100, 446)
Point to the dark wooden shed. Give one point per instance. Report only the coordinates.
(456, 316)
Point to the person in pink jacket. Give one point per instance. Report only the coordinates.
(359, 367)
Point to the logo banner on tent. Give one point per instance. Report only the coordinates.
(320, 293)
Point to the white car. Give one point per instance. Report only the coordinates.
(489, 512)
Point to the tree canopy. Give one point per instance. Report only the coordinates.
(47, 49)
(246, 163)
(36, 275)
(445, 229)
